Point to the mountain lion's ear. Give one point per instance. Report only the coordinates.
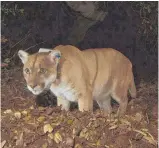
(23, 56)
(44, 50)
(55, 56)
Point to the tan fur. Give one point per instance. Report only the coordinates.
(99, 74)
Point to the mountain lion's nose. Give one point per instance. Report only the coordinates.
(33, 85)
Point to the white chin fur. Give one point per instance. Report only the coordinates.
(35, 92)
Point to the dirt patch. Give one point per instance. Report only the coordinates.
(29, 125)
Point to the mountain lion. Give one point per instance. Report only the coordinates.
(80, 76)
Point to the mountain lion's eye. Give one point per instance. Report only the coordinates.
(27, 71)
(42, 70)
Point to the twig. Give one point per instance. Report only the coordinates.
(20, 41)
(147, 118)
(34, 45)
(130, 143)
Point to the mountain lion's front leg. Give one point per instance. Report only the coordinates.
(85, 102)
(64, 103)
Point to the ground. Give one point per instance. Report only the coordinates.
(25, 124)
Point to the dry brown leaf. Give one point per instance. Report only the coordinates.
(150, 140)
(110, 146)
(41, 119)
(24, 112)
(57, 137)
(44, 145)
(31, 107)
(17, 115)
(41, 108)
(138, 117)
(27, 118)
(107, 146)
(69, 141)
(55, 124)
(70, 121)
(147, 136)
(78, 146)
(19, 141)
(8, 111)
(48, 128)
(113, 127)
(15, 131)
(124, 121)
(98, 143)
(3, 143)
(50, 142)
(83, 133)
(51, 136)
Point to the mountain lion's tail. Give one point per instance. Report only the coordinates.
(132, 87)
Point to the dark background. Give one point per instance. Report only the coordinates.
(130, 27)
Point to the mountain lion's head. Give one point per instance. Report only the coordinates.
(40, 69)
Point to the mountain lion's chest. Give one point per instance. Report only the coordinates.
(65, 91)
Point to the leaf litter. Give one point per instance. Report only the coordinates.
(32, 126)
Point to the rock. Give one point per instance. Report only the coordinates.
(139, 116)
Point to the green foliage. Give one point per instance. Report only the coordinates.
(149, 23)
(10, 10)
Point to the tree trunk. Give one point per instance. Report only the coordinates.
(89, 15)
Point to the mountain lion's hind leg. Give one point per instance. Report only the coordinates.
(64, 103)
(123, 101)
(105, 104)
